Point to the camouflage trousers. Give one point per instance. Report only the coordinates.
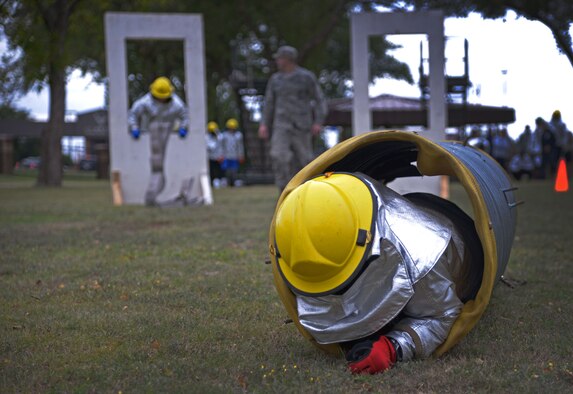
(291, 150)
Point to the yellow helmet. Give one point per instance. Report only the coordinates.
(212, 126)
(232, 124)
(323, 233)
(161, 88)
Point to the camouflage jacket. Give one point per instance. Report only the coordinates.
(294, 99)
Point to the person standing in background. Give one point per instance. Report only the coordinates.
(502, 147)
(293, 113)
(233, 151)
(214, 153)
(477, 140)
(547, 139)
(559, 130)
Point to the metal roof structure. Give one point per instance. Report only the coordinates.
(389, 111)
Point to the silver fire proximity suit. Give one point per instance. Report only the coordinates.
(293, 102)
(159, 119)
(408, 289)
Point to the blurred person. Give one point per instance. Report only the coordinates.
(491, 132)
(158, 112)
(547, 139)
(293, 113)
(537, 152)
(502, 146)
(514, 166)
(560, 132)
(214, 153)
(568, 155)
(233, 151)
(521, 164)
(529, 148)
(477, 140)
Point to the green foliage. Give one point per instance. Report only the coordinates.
(10, 112)
(12, 83)
(54, 37)
(36, 28)
(241, 38)
(329, 58)
(238, 36)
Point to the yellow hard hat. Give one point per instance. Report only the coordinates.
(556, 114)
(232, 123)
(161, 88)
(323, 233)
(212, 126)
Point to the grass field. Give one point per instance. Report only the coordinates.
(97, 298)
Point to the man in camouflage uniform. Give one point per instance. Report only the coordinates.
(294, 109)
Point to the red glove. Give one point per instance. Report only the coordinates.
(381, 357)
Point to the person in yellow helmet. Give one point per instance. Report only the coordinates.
(233, 151)
(383, 275)
(158, 112)
(560, 131)
(213, 142)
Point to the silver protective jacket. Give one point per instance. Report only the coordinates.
(213, 142)
(232, 145)
(408, 289)
(147, 110)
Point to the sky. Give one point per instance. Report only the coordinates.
(512, 62)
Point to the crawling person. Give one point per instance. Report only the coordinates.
(383, 275)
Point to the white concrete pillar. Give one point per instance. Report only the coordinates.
(364, 25)
(438, 111)
(185, 158)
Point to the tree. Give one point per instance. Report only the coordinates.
(54, 37)
(11, 79)
(557, 15)
(330, 59)
(8, 111)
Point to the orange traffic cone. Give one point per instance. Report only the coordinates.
(561, 182)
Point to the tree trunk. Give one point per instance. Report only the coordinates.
(51, 150)
(56, 17)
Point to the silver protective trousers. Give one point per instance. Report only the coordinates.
(291, 150)
(159, 135)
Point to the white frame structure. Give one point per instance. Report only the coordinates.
(430, 23)
(185, 158)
